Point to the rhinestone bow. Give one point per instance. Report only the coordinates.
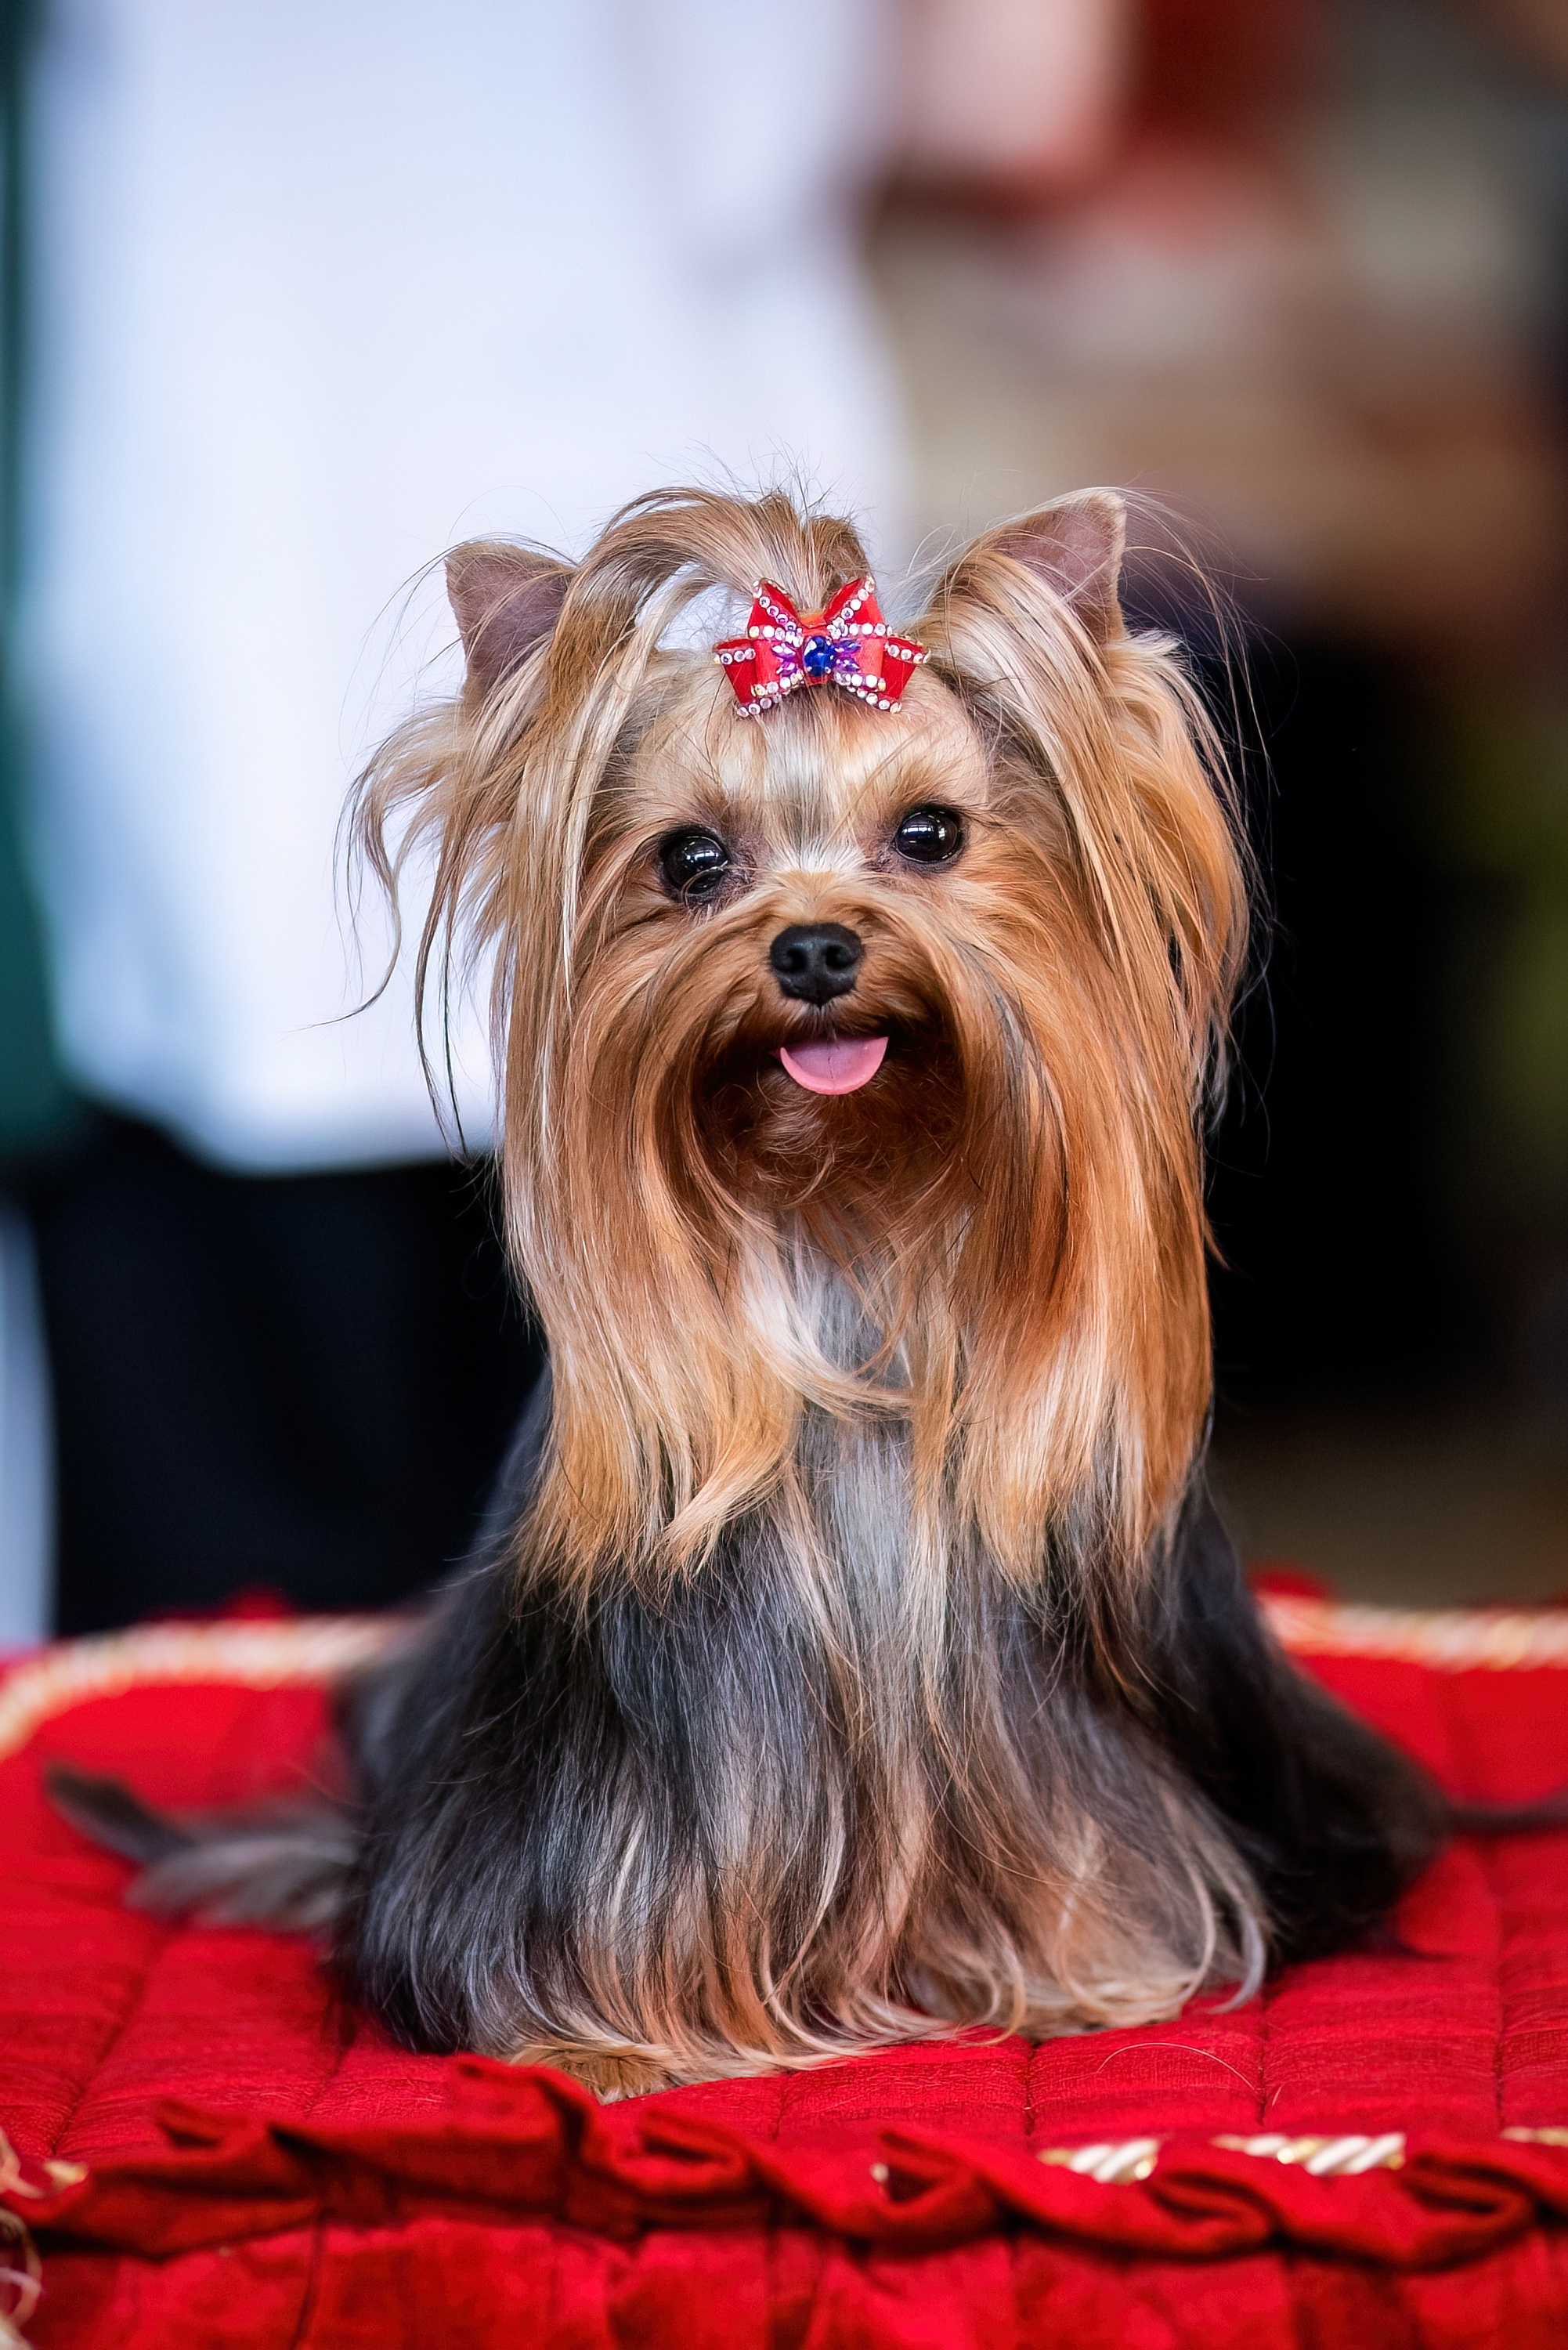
(846, 644)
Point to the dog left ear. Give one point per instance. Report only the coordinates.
(1075, 547)
(507, 599)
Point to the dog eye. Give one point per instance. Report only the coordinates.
(929, 835)
(693, 863)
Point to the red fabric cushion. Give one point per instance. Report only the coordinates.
(314, 2184)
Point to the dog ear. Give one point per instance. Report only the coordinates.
(1076, 546)
(507, 599)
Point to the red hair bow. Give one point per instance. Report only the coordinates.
(844, 644)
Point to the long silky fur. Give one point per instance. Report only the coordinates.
(854, 1654)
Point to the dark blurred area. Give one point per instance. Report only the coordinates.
(343, 1452)
(1296, 271)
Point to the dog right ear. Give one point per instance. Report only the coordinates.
(507, 600)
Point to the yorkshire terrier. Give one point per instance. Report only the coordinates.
(854, 1654)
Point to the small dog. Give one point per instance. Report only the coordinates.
(854, 1654)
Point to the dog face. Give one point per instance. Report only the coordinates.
(785, 926)
(852, 1057)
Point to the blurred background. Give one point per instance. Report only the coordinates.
(294, 297)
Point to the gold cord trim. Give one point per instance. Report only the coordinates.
(1325, 2158)
(298, 1651)
(1113, 2163)
(301, 1651)
(1448, 1640)
(1120, 2163)
(1124, 2162)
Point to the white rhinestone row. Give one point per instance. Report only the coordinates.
(893, 648)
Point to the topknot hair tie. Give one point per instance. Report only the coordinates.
(846, 644)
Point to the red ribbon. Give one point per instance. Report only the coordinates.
(846, 644)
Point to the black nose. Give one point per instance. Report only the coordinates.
(815, 962)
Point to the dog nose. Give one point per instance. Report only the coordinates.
(815, 962)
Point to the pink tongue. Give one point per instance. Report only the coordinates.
(837, 1066)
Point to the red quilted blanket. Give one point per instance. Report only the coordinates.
(199, 2151)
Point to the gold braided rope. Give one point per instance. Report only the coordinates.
(1121, 2163)
(305, 1651)
(1324, 2157)
(295, 1652)
(1111, 2163)
(1448, 1640)
(1125, 2162)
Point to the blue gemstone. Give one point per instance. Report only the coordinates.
(817, 655)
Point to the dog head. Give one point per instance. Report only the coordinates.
(852, 1057)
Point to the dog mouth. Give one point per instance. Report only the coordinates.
(834, 1065)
